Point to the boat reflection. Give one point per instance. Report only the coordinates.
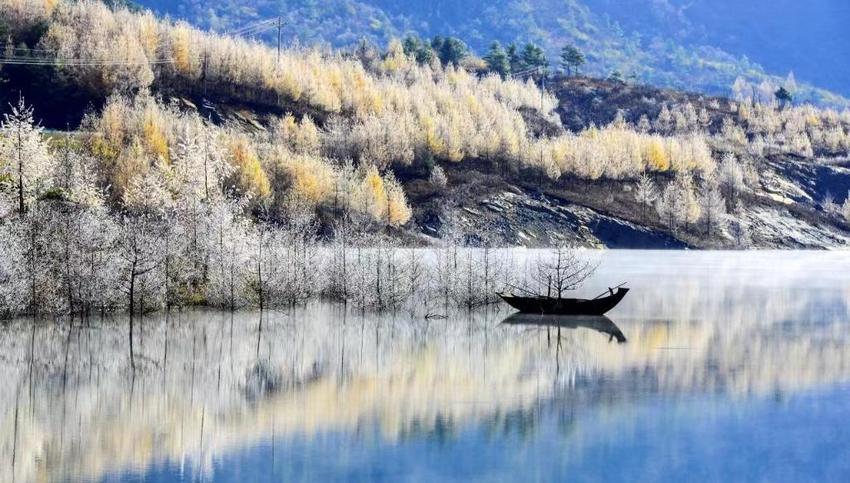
(599, 323)
(209, 385)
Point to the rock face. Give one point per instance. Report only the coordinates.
(532, 219)
(783, 212)
(784, 208)
(480, 204)
(791, 212)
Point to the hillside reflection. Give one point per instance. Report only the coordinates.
(209, 383)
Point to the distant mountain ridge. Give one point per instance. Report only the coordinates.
(699, 45)
(809, 38)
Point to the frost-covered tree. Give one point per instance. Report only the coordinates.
(732, 133)
(730, 177)
(190, 174)
(94, 259)
(645, 192)
(757, 146)
(149, 192)
(643, 125)
(667, 206)
(790, 83)
(828, 204)
(13, 271)
(712, 207)
(766, 92)
(438, 177)
(845, 208)
(297, 242)
(664, 121)
(23, 153)
(704, 119)
(228, 249)
(75, 174)
(678, 205)
(140, 246)
(78, 256)
(742, 90)
(563, 270)
(740, 233)
(801, 145)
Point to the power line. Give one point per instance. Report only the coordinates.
(254, 28)
(36, 61)
(526, 72)
(257, 31)
(17, 58)
(46, 59)
(250, 26)
(7, 47)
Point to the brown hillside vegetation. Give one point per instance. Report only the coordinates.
(376, 111)
(385, 111)
(211, 171)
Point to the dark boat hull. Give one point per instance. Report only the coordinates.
(552, 306)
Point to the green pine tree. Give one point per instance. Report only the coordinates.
(616, 77)
(450, 50)
(571, 59)
(415, 47)
(514, 59)
(533, 56)
(497, 60)
(783, 96)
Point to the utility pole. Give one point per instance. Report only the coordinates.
(530, 72)
(204, 70)
(542, 73)
(279, 36)
(279, 42)
(542, 93)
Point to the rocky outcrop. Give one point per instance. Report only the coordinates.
(784, 211)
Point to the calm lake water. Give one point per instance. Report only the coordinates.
(737, 368)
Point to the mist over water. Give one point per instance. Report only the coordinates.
(739, 358)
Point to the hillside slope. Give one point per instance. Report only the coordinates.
(426, 153)
(787, 202)
(702, 45)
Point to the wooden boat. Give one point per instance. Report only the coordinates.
(599, 323)
(561, 306)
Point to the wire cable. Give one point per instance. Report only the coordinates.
(271, 22)
(34, 61)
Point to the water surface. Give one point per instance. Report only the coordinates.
(737, 368)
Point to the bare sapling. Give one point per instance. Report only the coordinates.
(564, 270)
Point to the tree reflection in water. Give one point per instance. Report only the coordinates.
(210, 383)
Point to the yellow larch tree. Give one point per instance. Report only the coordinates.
(154, 135)
(398, 211)
(656, 156)
(375, 194)
(311, 179)
(249, 176)
(181, 49)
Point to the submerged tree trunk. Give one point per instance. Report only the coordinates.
(21, 206)
(32, 264)
(68, 278)
(132, 312)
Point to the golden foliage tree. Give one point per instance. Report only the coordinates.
(249, 177)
